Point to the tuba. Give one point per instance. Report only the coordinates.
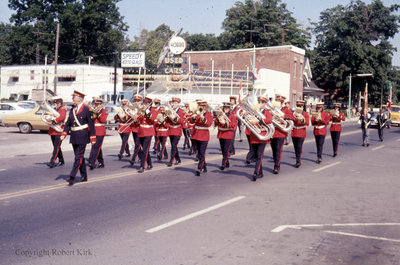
(246, 114)
(278, 120)
(49, 115)
(298, 114)
(221, 116)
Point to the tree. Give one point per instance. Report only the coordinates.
(202, 42)
(87, 28)
(261, 23)
(354, 39)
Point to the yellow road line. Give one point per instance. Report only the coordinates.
(124, 174)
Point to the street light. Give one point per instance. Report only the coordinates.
(350, 76)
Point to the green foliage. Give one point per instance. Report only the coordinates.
(202, 42)
(354, 39)
(87, 28)
(261, 23)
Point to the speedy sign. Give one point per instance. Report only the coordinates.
(177, 45)
(132, 59)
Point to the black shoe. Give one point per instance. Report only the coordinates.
(169, 164)
(204, 170)
(159, 157)
(50, 165)
(380, 140)
(132, 162)
(177, 162)
(334, 155)
(363, 144)
(248, 162)
(166, 157)
(319, 160)
(254, 177)
(100, 165)
(154, 151)
(222, 167)
(70, 180)
(367, 145)
(240, 140)
(260, 176)
(196, 159)
(84, 179)
(60, 163)
(119, 156)
(197, 173)
(91, 166)
(276, 170)
(141, 170)
(190, 152)
(149, 167)
(298, 164)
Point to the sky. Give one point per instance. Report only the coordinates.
(206, 16)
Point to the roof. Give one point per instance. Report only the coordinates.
(284, 47)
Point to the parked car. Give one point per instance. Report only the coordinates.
(8, 108)
(26, 122)
(374, 120)
(395, 115)
(111, 108)
(32, 103)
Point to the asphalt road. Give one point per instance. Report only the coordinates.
(343, 211)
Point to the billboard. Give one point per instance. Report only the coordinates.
(132, 59)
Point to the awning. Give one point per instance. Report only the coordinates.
(66, 72)
(14, 73)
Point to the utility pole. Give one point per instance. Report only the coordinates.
(115, 75)
(56, 59)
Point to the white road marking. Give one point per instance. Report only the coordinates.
(2, 169)
(327, 166)
(398, 140)
(377, 148)
(283, 227)
(195, 214)
(363, 236)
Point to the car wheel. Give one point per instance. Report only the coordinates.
(25, 127)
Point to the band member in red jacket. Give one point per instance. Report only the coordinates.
(185, 128)
(162, 127)
(125, 120)
(99, 117)
(176, 119)
(336, 126)
(146, 132)
(156, 107)
(299, 133)
(202, 120)
(137, 152)
(227, 124)
(278, 139)
(233, 102)
(320, 120)
(55, 134)
(80, 126)
(257, 144)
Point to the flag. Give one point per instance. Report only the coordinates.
(366, 99)
(255, 75)
(390, 96)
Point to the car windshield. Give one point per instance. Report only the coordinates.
(395, 109)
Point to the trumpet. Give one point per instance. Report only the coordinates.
(316, 114)
(335, 113)
(160, 118)
(49, 115)
(170, 112)
(249, 117)
(278, 120)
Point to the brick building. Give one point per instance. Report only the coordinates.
(279, 69)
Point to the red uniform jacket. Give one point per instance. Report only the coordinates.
(226, 131)
(99, 123)
(147, 123)
(320, 127)
(336, 122)
(175, 127)
(162, 129)
(299, 129)
(201, 130)
(268, 120)
(288, 115)
(60, 119)
(125, 123)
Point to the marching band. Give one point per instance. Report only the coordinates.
(265, 122)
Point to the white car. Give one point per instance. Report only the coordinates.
(7, 108)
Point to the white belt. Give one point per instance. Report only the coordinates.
(79, 128)
(162, 130)
(319, 127)
(335, 123)
(201, 128)
(146, 126)
(225, 129)
(299, 127)
(175, 126)
(99, 124)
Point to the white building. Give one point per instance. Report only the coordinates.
(28, 81)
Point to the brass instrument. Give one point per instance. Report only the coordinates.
(278, 120)
(316, 114)
(49, 115)
(335, 113)
(120, 113)
(160, 118)
(170, 112)
(222, 117)
(298, 114)
(251, 118)
(142, 108)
